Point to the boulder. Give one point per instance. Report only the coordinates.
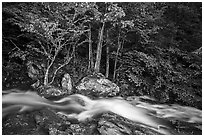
(52, 92)
(34, 70)
(98, 85)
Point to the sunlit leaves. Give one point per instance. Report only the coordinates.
(114, 13)
(127, 23)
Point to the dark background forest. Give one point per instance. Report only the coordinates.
(149, 49)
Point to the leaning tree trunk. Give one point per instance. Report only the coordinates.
(99, 49)
(91, 63)
(46, 77)
(116, 57)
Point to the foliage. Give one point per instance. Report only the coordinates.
(53, 28)
(160, 53)
(146, 18)
(164, 76)
(185, 20)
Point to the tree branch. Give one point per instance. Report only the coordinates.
(15, 45)
(82, 42)
(54, 75)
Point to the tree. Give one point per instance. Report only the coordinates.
(107, 53)
(53, 27)
(144, 17)
(99, 49)
(111, 14)
(91, 62)
(159, 64)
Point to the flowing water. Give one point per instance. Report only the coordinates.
(182, 117)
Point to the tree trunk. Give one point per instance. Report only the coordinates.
(46, 77)
(116, 57)
(107, 61)
(99, 49)
(74, 56)
(91, 63)
(55, 72)
(107, 53)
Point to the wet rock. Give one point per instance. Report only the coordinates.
(42, 122)
(18, 125)
(109, 128)
(62, 130)
(88, 128)
(98, 85)
(112, 124)
(52, 92)
(77, 129)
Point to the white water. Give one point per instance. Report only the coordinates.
(143, 112)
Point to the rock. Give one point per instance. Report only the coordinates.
(17, 125)
(36, 84)
(66, 82)
(43, 122)
(99, 85)
(109, 128)
(53, 92)
(33, 70)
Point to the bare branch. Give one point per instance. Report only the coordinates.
(80, 19)
(15, 45)
(61, 66)
(45, 52)
(74, 15)
(66, 42)
(68, 59)
(82, 42)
